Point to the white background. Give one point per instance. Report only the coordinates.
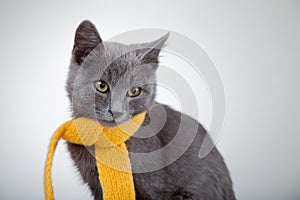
(255, 46)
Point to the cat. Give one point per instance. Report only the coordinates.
(104, 83)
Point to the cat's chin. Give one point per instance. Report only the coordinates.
(108, 123)
(111, 123)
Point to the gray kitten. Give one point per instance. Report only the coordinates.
(112, 82)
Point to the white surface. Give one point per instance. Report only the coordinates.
(255, 46)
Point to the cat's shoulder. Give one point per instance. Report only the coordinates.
(176, 118)
(172, 122)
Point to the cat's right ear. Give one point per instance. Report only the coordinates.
(86, 39)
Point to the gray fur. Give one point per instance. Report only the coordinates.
(124, 66)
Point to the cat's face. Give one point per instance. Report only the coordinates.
(111, 82)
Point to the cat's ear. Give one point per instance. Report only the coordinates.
(86, 39)
(150, 51)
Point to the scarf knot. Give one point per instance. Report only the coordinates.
(112, 159)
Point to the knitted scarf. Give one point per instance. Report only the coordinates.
(112, 160)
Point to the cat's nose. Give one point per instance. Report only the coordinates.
(115, 114)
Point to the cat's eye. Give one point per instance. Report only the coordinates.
(134, 91)
(101, 86)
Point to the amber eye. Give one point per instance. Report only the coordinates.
(134, 91)
(101, 86)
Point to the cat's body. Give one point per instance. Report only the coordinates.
(188, 177)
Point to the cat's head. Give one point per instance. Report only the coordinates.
(111, 82)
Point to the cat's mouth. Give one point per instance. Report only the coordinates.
(107, 121)
(110, 118)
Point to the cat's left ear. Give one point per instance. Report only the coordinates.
(86, 39)
(149, 52)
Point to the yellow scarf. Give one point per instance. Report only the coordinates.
(111, 153)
